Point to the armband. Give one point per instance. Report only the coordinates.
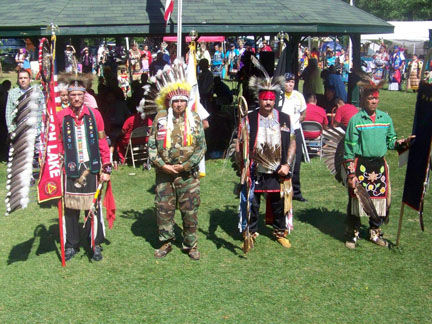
(107, 168)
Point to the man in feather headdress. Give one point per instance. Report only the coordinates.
(369, 134)
(176, 147)
(272, 151)
(86, 162)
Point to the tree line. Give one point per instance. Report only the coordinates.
(397, 9)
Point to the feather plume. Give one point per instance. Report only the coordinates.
(366, 83)
(333, 152)
(257, 84)
(268, 156)
(21, 152)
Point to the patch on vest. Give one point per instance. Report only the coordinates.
(161, 129)
(284, 128)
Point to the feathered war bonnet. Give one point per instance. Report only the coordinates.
(367, 86)
(171, 84)
(263, 87)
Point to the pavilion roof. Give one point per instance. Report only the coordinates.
(141, 17)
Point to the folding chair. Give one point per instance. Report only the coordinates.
(136, 149)
(314, 146)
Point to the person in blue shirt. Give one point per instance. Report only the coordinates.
(232, 56)
(217, 62)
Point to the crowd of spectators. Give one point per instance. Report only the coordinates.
(121, 74)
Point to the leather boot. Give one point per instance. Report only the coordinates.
(376, 236)
(163, 251)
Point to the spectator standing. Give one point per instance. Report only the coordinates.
(24, 79)
(203, 53)
(26, 64)
(19, 58)
(294, 105)
(86, 61)
(232, 56)
(123, 79)
(218, 59)
(145, 63)
(148, 53)
(397, 68)
(134, 54)
(333, 79)
(205, 84)
(70, 59)
(312, 78)
(414, 67)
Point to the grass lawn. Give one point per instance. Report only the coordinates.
(318, 280)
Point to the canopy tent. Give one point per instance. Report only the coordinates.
(411, 35)
(207, 39)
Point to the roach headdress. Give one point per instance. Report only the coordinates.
(266, 83)
(367, 85)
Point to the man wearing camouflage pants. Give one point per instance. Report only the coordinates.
(176, 146)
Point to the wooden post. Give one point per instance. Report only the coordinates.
(400, 224)
(353, 91)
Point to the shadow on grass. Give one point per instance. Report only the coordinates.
(152, 189)
(146, 226)
(47, 243)
(330, 222)
(225, 219)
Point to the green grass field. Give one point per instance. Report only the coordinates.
(318, 280)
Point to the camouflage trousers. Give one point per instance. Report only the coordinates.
(183, 191)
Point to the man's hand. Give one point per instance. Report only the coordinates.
(406, 141)
(178, 167)
(284, 170)
(352, 182)
(105, 177)
(169, 169)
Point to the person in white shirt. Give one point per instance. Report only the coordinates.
(294, 105)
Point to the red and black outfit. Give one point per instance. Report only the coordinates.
(86, 153)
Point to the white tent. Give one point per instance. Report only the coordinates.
(409, 34)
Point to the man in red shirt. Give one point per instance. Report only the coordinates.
(86, 163)
(344, 113)
(129, 125)
(314, 113)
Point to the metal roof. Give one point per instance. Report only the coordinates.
(136, 17)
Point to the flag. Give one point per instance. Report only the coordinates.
(419, 153)
(191, 78)
(50, 186)
(194, 99)
(169, 6)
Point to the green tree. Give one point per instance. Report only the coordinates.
(397, 9)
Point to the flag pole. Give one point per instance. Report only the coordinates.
(179, 27)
